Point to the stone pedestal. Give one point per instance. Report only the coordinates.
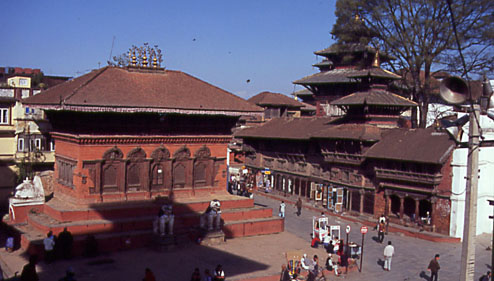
(213, 238)
(164, 243)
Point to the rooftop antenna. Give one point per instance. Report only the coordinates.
(111, 50)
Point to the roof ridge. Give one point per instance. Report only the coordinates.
(223, 90)
(98, 73)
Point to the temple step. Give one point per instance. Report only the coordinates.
(251, 227)
(44, 222)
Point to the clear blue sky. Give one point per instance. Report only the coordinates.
(270, 42)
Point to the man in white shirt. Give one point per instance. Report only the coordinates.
(389, 251)
(49, 243)
(282, 209)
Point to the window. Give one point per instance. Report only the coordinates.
(20, 144)
(4, 115)
(52, 145)
(66, 172)
(37, 143)
(158, 175)
(23, 82)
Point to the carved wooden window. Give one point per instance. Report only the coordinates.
(179, 175)
(110, 177)
(158, 175)
(200, 174)
(66, 172)
(133, 178)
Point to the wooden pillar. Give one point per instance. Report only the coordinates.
(417, 213)
(361, 194)
(402, 207)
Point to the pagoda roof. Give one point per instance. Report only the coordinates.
(114, 89)
(303, 92)
(324, 63)
(345, 75)
(277, 99)
(339, 49)
(363, 132)
(287, 128)
(375, 72)
(413, 145)
(374, 96)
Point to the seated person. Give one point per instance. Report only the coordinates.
(305, 262)
(332, 264)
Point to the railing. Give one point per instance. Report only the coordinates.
(408, 176)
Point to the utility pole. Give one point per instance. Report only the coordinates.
(491, 202)
(470, 225)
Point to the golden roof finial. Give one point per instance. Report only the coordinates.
(155, 62)
(134, 58)
(144, 61)
(376, 62)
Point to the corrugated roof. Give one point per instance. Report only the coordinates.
(415, 145)
(269, 98)
(114, 89)
(374, 97)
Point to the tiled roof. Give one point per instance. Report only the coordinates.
(415, 145)
(113, 89)
(268, 98)
(303, 92)
(339, 75)
(345, 75)
(287, 128)
(364, 132)
(374, 97)
(307, 107)
(337, 49)
(375, 72)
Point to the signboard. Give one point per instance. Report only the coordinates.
(348, 228)
(363, 229)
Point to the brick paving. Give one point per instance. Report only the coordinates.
(259, 258)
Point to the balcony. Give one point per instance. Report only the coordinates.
(343, 158)
(393, 174)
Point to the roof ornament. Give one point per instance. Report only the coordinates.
(376, 62)
(142, 57)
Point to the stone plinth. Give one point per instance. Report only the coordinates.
(213, 238)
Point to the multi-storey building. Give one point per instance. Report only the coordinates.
(25, 145)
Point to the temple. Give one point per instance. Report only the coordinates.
(358, 156)
(128, 139)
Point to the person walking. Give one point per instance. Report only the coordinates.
(65, 240)
(219, 274)
(380, 231)
(148, 275)
(434, 267)
(299, 207)
(285, 275)
(282, 209)
(207, 275)
(389, 251)
(29, 270)
(49, 245)
(196, 275)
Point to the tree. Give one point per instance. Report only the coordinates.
(420, 34)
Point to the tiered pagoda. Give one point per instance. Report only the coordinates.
(345, 69)
(363, 158)
(127, 138)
